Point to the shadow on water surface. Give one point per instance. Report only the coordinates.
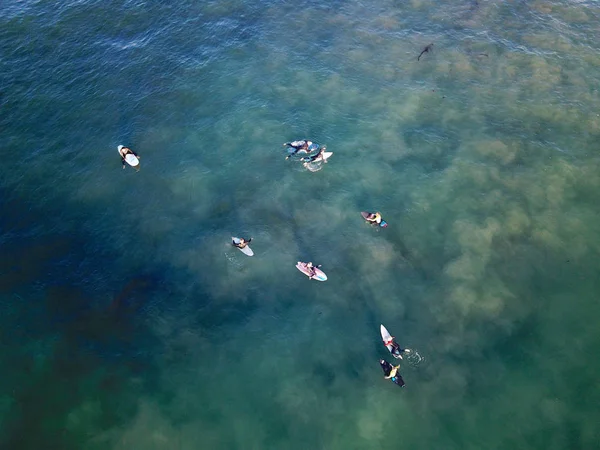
(64, 345)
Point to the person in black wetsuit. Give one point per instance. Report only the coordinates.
(396, 350)
(316, 156)
(300, 146)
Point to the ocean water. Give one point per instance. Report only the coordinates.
(127, 321)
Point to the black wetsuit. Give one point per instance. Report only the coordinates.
(314, 157)
(396, 350)
(304, 147)
(387, 368)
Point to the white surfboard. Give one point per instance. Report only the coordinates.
(129, 158)
(324, 157)
(386, 337)
(246, 250)
(315, 165)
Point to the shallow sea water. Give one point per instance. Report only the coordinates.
(127, 321)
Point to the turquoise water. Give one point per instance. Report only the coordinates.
(127, 321)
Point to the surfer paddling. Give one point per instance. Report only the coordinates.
(396, 351)
(427, 49)
(320, 154)
(303, 145)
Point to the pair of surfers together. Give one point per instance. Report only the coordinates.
(390, 371)
(308, 269)
(306, 146)
(303, 145)
(130, 157)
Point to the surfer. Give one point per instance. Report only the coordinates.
(396, 350)
(311, 269)
(300, 146)
(242, 243)
(318, 155)
(124, 151)
(374, 218)
(391, 372)
(425, 50)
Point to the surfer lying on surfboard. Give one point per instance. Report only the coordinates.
(319, 154)
(242, 243)
(303, 145)
(124, 151)
(396, 350)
